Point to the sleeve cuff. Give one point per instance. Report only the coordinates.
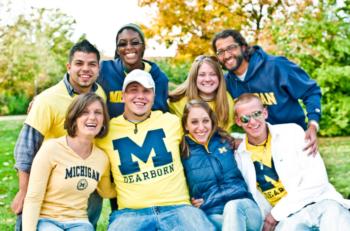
(315, 123)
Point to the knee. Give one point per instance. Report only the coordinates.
(332, 207)
(233, 205)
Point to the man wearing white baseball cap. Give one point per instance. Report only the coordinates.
(143, 147)
(142, 77)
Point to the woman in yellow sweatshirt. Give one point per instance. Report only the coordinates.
(68, 169)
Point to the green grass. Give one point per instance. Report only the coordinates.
(335, 152)
(8, 180)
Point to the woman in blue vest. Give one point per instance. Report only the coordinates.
(216, 185)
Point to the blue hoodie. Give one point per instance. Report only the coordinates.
(280, 84)
(112, 74)
(212, 174)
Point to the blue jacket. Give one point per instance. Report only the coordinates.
(212, 174)
(279, 83)
(112, 74)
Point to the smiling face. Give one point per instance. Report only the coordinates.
(90, 121)
(138, 101)
(83, 71)
(207, 80)
(231, 55)
(130, 49)
(199, 124)
(256, 127)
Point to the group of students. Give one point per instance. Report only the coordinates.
(182, 171)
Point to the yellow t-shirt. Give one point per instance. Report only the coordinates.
(61, 182)
(177, 108)
(49, 108)
(267, 179)
(145, 161)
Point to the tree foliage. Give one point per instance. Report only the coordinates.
(319, 40)
(191, 24)
(33, 51)
(314, 34)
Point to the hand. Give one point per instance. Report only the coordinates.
(311, 138)
(18, 201)
(197, 202)
(269, 223)
(237, 142)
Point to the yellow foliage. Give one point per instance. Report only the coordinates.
(191, 24)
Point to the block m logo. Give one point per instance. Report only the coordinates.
(154, 140)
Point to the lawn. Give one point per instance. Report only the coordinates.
(335, 151)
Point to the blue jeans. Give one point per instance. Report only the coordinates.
(239, 214)
(323, 215)
(176, 217)
(94, 209)
(18, 226)
(52, 225)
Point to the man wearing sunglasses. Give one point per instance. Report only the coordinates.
(290, 186)
(277, 81)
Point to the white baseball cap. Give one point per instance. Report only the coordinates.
(142, 77)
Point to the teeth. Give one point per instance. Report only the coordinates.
(131, 55)
(91, 125)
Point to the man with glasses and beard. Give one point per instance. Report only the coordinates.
(278, 82)
(290, 186)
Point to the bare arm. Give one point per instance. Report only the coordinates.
(17, 203)
(28, 143)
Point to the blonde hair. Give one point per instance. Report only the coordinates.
(190, 90)
(246, 98)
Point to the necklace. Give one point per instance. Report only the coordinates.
(135, 123)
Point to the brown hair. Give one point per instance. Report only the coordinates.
(245, 98)
(76, 108)
(189, 88)
(214, 122)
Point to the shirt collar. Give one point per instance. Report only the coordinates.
(70, 88)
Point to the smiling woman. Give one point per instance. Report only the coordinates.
(215, 182)
(205, 81)
(68, 169)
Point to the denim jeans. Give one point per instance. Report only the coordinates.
(18, 226)
(324, 215)
(176, 217)
(216, 220)
(241, 214)
(52, 225)
(94, 209)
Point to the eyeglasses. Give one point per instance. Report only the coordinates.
(200, 58)
(132, 44)
(229, 49)
(246, 118)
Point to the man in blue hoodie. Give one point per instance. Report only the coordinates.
(278, 82)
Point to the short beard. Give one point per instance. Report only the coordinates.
(239, 61)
